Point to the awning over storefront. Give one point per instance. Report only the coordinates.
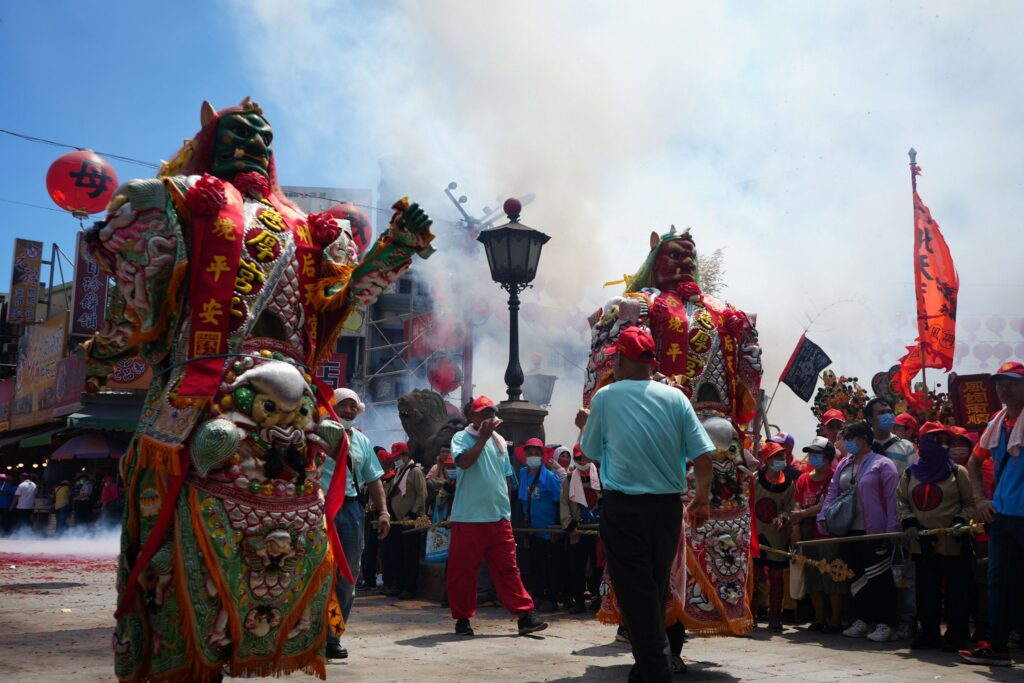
(44, 434)
(117, 412)
(89, 447)
(41, 438)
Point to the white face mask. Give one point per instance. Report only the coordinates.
(533, 462)
(584, 468)
(959, 453)
(451, 473)
(347, 424)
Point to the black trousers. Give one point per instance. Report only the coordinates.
(943, 580)
(641, 535)
(875, 603)
(403, 558)
(579, 552)
(544, 564)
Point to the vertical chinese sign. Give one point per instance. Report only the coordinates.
(6, 391)
(28, 258)
(90, 292)
(332, 371)
(974, 400)
(35, 389)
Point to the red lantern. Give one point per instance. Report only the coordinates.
(362, 230)
(445, 376)
(81, 182)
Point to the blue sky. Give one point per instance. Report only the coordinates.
(126, 78)
(777, 131)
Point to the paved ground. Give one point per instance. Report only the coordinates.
(55, 622)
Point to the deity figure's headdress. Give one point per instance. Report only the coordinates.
(196, 155)
(644, 277)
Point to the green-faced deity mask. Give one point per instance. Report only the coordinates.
(242, 143)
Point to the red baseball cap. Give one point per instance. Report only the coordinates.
(833, 414)
(545, 453)
(907, 420)
(399, 447)
(962, 433)
(932, 427)
(636, 344)
(481, 403)
(770, 448)
(1010, 370)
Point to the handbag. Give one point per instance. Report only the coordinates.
(438, 539)
(843, 511)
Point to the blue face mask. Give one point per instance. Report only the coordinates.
(816, 460)
(886, 421)
(851, 446)
(451, 473)
(778, 465)
(533, 462)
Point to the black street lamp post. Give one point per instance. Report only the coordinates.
(513, 252)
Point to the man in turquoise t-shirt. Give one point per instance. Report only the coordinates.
(643, 433)
(481, 529)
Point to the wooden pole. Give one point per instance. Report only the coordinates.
(920, 345)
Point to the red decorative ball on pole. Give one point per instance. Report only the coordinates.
(81, 182)
(512, 208)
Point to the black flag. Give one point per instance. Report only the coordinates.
(801, 372)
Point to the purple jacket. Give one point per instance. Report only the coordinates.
(876, 491)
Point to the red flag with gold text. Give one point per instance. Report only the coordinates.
(937, 285)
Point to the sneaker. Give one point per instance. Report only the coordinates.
(858, 629)
(983, 653)
(904, 631)
(336, 652)
(621, 635)
(462, 628)
(530, 624)
(882, 634)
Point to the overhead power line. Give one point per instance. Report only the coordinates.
(54, 143)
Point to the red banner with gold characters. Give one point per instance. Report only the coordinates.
(974, 400)
(937, 285)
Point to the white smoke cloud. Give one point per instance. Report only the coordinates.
(778, 132)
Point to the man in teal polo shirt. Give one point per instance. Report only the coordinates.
(481, 529)
(643, 433)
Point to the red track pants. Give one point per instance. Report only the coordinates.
(494, 543)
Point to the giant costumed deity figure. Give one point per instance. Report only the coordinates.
(233, 296)
(709, 350)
